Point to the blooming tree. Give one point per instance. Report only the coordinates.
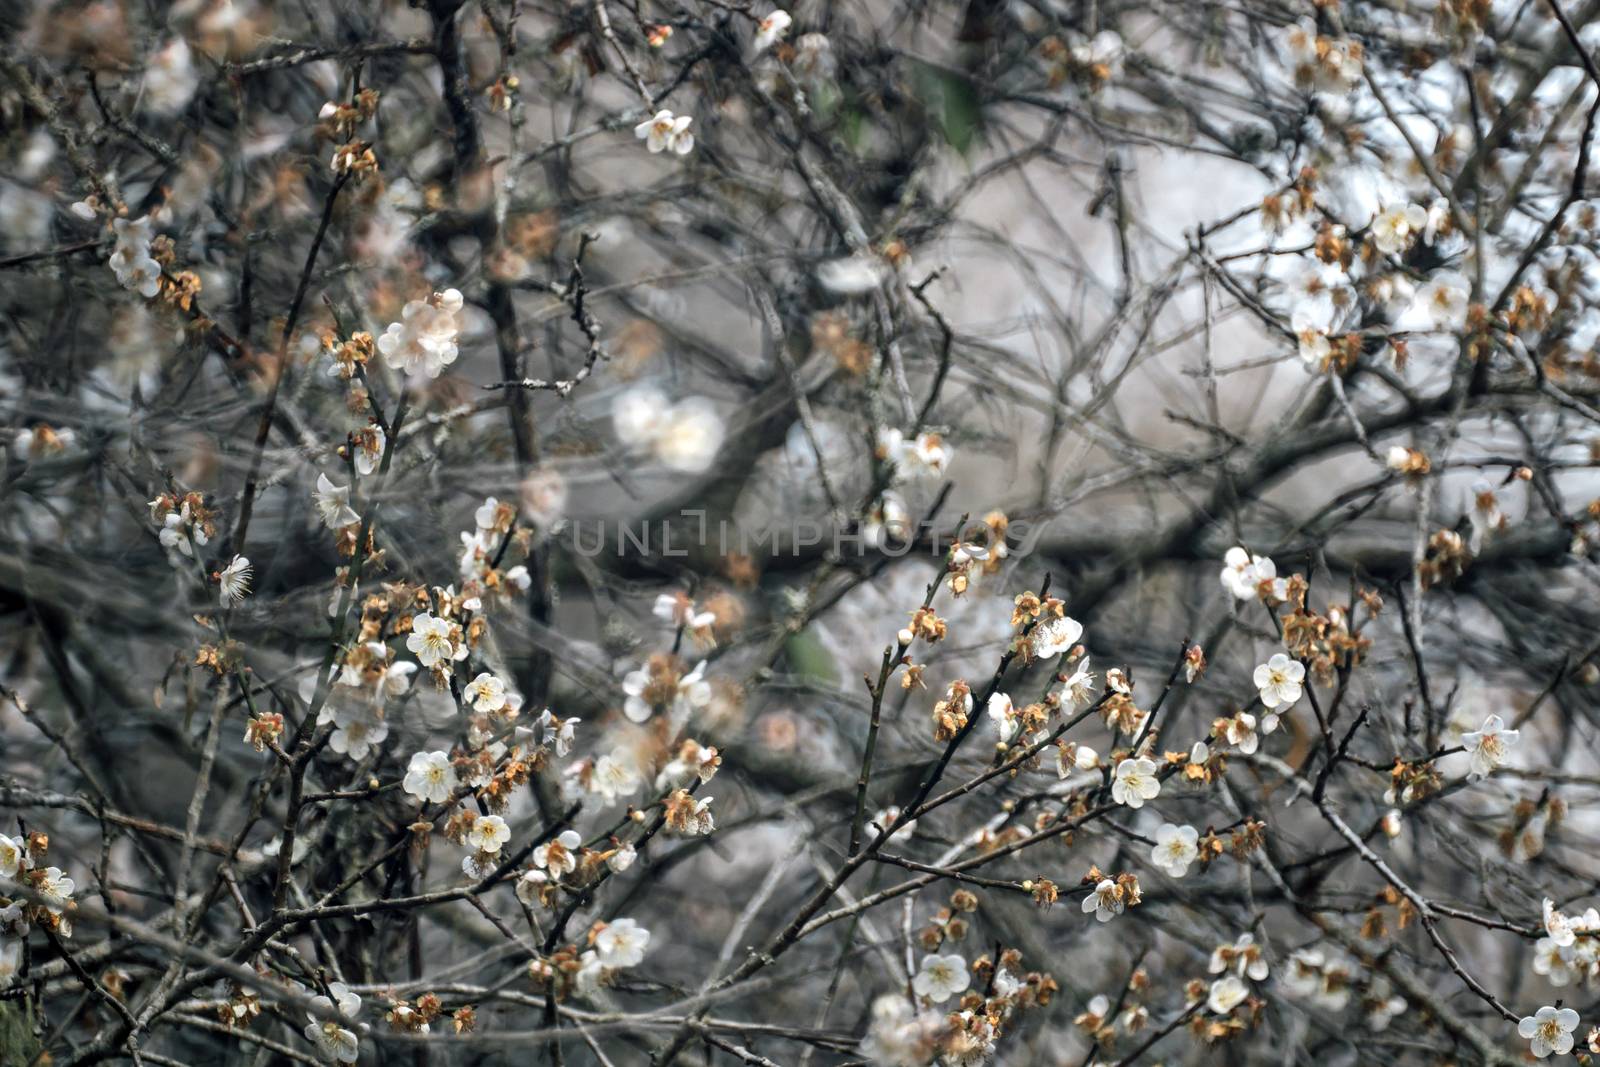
(679, 532)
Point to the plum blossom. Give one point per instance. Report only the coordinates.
(130, 259)
(656, 685)
(1553, 961)
(1444, 298)
(1079, 685)
(1105, 900)
(333, 503)
(614, 775)
(356, 730)
(1381, 1004)
(335, 1041)
(174, 535)
(1226, 994)
(941, 977)
(1489, 745)
(664, 131)
(55, 888)
(233, 581)
(1004, 715)
(487, 692)
(1240, 731)
(430, 640)
(424, 340)
(771, 30)
(1549, 1031)
(1055, 636)
(1564, 929)
(559, 855)
(1101, 54)
(1176, 847)
(901, 1037)
(170, 79)
(1075, 757)
(888, 518)
(488, 833)
(1243, 573)
(1244, 955)
(684, 436)
(853, 275)
(925, 456)
(1135, 782)
(621, 943)
(430, 777)
(1397, 226)
(13, 856)
(1280, 680)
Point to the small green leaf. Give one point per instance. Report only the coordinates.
(952, 103)
(809, 658)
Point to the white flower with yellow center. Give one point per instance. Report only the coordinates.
(430, 777)
(429, 640)
(664, 130)
(1135, 782)
(621, 943)
(488, 833)
(1549, 1030)
(1489, 745)
(1176, 847)
(1280, 680)
(1104, 900)
(941, 977)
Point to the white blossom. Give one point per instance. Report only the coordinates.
(336, 1042)
(486, 692)
(852, 275)
(1176, 847)
(621, 943)
(1243, 573)
(170, 79)
(55, 888)
(1244, 955)
(1135, 782)
(1104, 900)
(430, 777)
(333, 503)
(941, 977)
(1226, 994)
(684, 436)
(1553, 961)
(771, 30)
(664, 131)
(1080, 684)
(1280, 681)
(1397, 226)
(1549, 1031)
(488, 833)
(559, 856)
(1003, 714)
(13, 856)
(430, 640)
(1075, 757)
(925, 456)
(424, 340)
(234, 581)
(1055, 636)
(1489, 745)
(1444, 298)
(356, 730)
(614, 776)
(558, 734)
